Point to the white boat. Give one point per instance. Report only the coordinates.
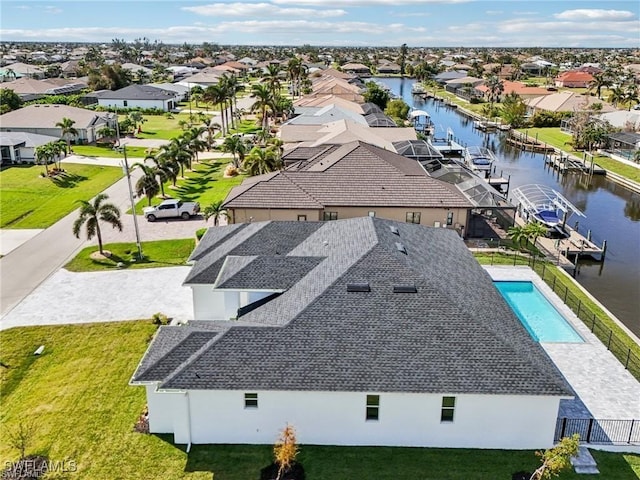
(479, 159)
(417, 89)
(542, 204)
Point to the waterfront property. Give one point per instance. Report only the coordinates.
(330, 182)
(358, 332)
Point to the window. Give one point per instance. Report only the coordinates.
(250, 400)
(413, 217)
(373, 407)
(448, 406)
(329, 216)
(125, 103)
(450, 218)
(372, 214)
(302, 218)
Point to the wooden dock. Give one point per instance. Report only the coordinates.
(524, 142)
(569, 163)
(563, 250)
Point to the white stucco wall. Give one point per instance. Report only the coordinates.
(338, 418)
(210, 304)
(160, 104)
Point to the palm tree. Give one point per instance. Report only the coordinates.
(67, 130)
(272, 77)
(175, 151)
(262, 160)
(263, 102)
(517, 234)
(496, 87)
(210, 127)
(617, 95)
(630, 95)
(92, 214)
(43, 155)
(237, 146)
(534, 230)
(216, 211)
(147, 184)
(194, 142)
(231, 87)
(215, 95)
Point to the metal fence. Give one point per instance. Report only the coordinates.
(584, 310)
(592, 430)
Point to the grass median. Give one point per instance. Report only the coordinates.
(161, 253)
(78, 397)
(30, 200)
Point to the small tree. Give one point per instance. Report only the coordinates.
(285, 450)
(21, 437)
(92, 213)
(557, 459)
(534, 230)
(216, 211)
(66, 126)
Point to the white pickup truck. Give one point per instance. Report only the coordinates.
(171, 208)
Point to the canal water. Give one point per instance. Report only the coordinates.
(612, 212)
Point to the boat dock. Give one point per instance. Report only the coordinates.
(500, 183)
(526, 143)
(447, 146)
(568, 163)
(566, 251)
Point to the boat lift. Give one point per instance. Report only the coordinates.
(541, 203)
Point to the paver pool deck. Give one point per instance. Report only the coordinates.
(604, 389)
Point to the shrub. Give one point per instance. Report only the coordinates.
(160, 319)
(200, 233)
(230, 171)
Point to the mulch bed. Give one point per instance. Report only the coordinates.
(295, 472)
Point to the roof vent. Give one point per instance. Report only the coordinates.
(400, 248)
(358, 287)
(405, 289)
(394, 230)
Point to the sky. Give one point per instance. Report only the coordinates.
(427, 23)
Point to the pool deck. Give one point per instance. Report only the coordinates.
(604, 389)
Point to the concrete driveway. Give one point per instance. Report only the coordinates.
(67, 297)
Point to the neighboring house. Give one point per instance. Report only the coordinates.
(324, 100)
(181, 91)
(19, 69)
(444, 77)
(356, 69)
(31, 89)
(334, 181)
(19, 147)
(628, 121)
(140, 96)
(203, 79)
(356, 332)
(522, 90)
(574, 79)
(464, 87)
(134, 68)
(345, 131)
(566, 102)
(42, 119)
(330, 113)
(388, 69)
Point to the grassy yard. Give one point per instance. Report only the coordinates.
(554, 136)
(164, 253)
(205, 184)
(160, 127)
(77, 394)
(95, 151)
(31, 201)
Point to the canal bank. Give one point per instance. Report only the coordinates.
(612, 211)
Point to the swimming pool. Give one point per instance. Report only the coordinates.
(543, 322)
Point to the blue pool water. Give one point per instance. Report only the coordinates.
(540, 318)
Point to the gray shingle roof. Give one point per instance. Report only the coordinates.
(454, 335)
(139, 92)
(265, 273)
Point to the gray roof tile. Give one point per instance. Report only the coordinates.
(454, 335)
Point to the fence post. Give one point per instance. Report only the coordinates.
(609, 341)
(631, 431)
(626, 363)
(579, 305)
(566, 291)
(564, 427)
(593, 325)
(589, 430)
(553, 287)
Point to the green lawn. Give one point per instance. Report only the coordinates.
(160, 127)
(205, 184)
(554, 136)
(164, 253)
(31, 201)
(95, 151)
(77, 395)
